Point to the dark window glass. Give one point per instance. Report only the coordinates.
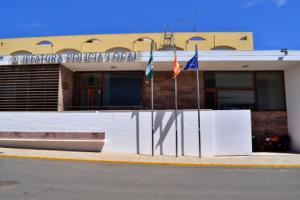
(210, 100)
(234, 80)
(90, 79)
(245, 90)
(122, 89)
(270, 90)
(229, 80)
(210, 80)
(228, 100)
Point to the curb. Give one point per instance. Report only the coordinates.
(225, 165)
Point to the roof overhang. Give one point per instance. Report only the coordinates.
(208, 60)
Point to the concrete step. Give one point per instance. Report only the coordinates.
(54, 135)
(70, 141)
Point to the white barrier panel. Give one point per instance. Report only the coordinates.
(233, 133)
(130, 131)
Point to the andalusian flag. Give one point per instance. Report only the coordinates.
(176, 66)
(149, 70)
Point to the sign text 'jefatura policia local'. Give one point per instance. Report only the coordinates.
(75, 58)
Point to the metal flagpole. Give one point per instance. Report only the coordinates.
(176, 129)
(176, 123)
(152, 101)
(152, 116)
(198, 103)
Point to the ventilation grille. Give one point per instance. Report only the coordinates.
(28, 88)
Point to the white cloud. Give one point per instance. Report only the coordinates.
(280, 3)
(252, 3)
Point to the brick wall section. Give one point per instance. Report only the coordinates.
(164, 97)
(274, 122)
(65, 94)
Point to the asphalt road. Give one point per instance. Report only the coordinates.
(57, 180)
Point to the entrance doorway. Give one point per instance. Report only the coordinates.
(108, 90)
(90, 90)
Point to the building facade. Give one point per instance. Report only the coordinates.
(126, 42)
(107, 72)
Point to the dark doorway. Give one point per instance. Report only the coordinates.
(108, 90)
(90, 90)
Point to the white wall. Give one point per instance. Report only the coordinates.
(292, 82)
(233, 132)
(130, 131)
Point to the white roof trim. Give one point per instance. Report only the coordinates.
(208, 56)
(226, 56)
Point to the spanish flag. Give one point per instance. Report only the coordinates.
(176, 66)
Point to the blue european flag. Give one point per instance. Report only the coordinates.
(193, 63)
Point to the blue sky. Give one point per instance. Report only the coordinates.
(275, 23)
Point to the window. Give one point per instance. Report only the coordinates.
(93, 41)
(244, 90)
(66, 51)
(45, 42)
(229, 80)
(144, 39)
(245, 38)
(21, 53)
(90, 79)
(196, 39)
(118, 49)
(108, 90)
(232, 100)
(122, 89)
(270, 91)
(223, 48)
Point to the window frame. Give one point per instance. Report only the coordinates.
(123, 72)
(284, 91)
(77, 86)
(254, 89)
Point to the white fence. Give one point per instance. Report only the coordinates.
(222, 132)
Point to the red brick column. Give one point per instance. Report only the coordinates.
(65, 92)
(164, 90)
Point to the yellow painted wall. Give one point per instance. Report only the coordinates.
(129, 41)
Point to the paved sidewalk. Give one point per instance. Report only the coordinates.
(259, 160)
